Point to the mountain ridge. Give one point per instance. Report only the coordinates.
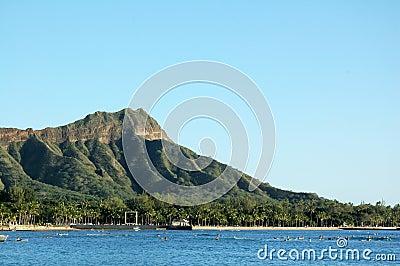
(83, 129)
(85, 158)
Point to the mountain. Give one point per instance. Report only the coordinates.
(85, 159)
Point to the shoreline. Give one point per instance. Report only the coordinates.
(265, 228)
(43, 228)
(216, 228)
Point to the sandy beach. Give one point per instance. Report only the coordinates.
(217, 228)
(35, 228)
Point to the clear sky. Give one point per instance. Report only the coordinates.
(330, 71)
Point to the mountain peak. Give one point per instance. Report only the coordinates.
(103, 126)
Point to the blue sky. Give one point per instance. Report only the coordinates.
(330, 71)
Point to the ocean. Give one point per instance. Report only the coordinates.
(201, 248)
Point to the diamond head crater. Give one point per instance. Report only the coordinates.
(77, 174)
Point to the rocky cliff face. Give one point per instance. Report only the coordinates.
(103, 126)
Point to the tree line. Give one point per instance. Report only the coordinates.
(22, 206)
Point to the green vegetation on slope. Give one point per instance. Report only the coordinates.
(86, 158)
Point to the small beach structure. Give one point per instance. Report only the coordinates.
(179, 224)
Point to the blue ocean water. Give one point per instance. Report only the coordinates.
(190, 247)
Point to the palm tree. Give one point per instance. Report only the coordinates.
(396, 215)
(4, 213)
(322, 216)
(33, 211)
(310, 208)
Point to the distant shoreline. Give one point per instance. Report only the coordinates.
(219, 228)
(36, 228)
(266, 228)
(274, 228)
(215, 228)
